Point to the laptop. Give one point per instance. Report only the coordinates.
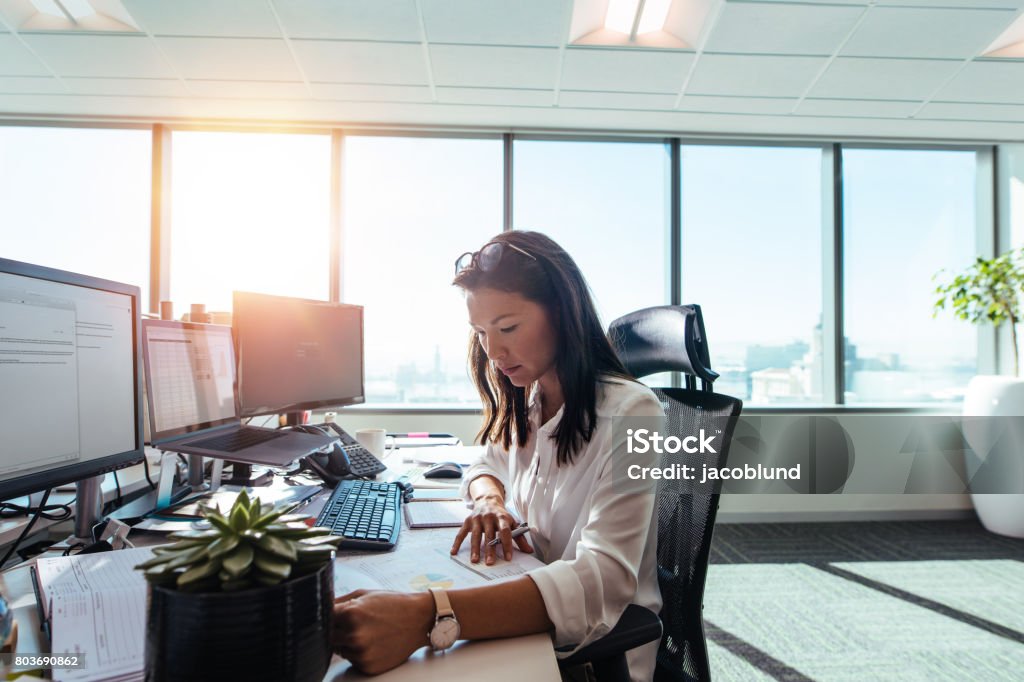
(192, 394)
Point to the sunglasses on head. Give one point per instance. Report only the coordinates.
(487, 258)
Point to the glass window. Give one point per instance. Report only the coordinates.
(411, 206)
(607, 204)
(249, 212)
(78, 199)
(907, 215)
(752, 260)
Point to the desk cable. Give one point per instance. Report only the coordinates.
(28, 527)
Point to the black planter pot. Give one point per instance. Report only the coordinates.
(279, 634)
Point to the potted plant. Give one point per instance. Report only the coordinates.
(988, 292)
(250, 598)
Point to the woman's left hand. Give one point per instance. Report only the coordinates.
(377, 631)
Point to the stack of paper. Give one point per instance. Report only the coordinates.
(95, 605)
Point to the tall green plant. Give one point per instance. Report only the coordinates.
(987, 291)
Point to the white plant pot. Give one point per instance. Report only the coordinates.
(996, 396)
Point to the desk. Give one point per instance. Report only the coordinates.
(513, 660)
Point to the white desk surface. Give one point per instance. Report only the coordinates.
(513, 660)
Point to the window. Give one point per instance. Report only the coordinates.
(907, 214)
(751, 255)
(249, 212)
(77, 199)
(607, 204)
(411, 206)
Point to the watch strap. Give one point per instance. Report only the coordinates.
(441, 602)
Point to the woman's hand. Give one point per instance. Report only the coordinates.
(377, 631)
(489, 519)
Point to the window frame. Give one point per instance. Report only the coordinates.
(990, 236)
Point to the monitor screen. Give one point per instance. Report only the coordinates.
(190, 376)
(295, 354)
(70, 380)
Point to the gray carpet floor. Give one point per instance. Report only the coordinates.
(865, 601)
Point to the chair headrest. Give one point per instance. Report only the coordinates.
(668, 338)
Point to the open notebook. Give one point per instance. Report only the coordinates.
(95, 607)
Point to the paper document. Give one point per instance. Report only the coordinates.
(96, 605)
(460, 454)
(446, 514)
(417, 571)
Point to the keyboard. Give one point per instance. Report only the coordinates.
(362, 461)
(364, 513)
(237, 440)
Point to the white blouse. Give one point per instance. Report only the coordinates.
(599, 544)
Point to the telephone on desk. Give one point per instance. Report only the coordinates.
(346, 458)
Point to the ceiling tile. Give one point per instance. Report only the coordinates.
(329, 61)
(110, 56)
(739, 105)
(615, 100)
(781, 28)
(496, 67)
(248, 89)
(128, 87)
(873, 108)
(31, 85)
(861, 78)
(496, 22)
(496, 97)
(926, 32)
(394, 20)
(15, 60)
(371, 93)
(217, 18)
(255, 59)
(973, 112)
(660, 71)
(986, 81)
(748, 76)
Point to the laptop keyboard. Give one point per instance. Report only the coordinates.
(237, 440)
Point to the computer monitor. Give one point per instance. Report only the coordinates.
(295, 354)
(70, 379)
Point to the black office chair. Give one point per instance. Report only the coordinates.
(649, 341)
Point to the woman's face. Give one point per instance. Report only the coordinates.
(515, 333)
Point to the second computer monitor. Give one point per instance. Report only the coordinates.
(297, 354)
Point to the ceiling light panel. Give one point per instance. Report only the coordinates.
(93, 16)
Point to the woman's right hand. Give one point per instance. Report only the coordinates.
(489, 519)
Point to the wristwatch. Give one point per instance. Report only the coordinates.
(446, 627)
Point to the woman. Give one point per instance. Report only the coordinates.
(551, 385)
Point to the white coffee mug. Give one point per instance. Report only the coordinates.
(374, 440)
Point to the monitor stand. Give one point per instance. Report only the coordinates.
(164, 496)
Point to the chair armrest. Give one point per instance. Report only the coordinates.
(637, 626)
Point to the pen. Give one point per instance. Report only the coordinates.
(521, 529)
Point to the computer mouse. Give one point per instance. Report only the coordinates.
(444, 470)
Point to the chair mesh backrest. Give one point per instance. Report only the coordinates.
(686, 519)
(672, 339)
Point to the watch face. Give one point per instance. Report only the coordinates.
(444, 634)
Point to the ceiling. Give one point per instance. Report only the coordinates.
(907, 69)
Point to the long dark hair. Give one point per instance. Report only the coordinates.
(583, 355)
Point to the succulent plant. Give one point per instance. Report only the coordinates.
(252, 546)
